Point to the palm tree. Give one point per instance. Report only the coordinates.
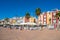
(58, 17)
(6, 20)
(38, 11)
(27, 15)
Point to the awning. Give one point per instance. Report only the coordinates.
(28, 23)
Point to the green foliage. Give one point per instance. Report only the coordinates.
(58, 15)
(27, 15)
(38, 11)
(6, 19)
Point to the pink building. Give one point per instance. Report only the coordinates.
(54, 20)
(45, 16)
(42, 19)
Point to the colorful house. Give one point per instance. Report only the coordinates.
(32, 20)
(42, 19)
(48, 18)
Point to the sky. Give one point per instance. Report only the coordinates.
(11, 8)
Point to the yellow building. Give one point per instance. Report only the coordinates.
(31, 19)
(12, 21)
(49, 17)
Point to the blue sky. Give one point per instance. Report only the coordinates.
(11, 8)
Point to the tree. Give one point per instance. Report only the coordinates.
(38, 11)
(6, 19)
(27, 15)
(58, 15)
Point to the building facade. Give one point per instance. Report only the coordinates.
(48, 18)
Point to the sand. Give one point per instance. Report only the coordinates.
(16, 34)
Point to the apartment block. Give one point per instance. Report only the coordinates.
(48, 18)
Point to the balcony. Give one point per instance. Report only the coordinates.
(44, 16)
(44, 19)
(54, 21)
(54, 14)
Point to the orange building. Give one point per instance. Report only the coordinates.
(32, 20)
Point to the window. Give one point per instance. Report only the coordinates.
(21, 21)
(44, 16)
(54, 18)
(44, 19)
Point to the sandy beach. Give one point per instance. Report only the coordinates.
(16, 34)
